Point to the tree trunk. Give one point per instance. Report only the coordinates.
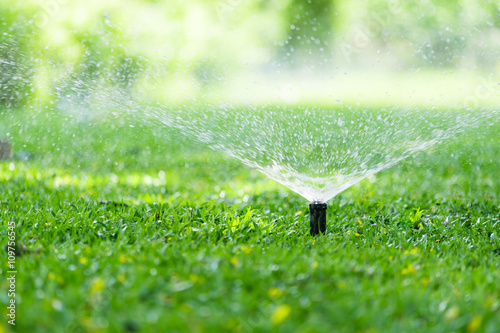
(5, 150)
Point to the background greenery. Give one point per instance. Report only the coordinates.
(50, 48)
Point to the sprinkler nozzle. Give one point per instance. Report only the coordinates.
(317, 211)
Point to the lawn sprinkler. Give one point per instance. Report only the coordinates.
(317, 211)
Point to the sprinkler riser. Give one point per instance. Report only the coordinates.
(317, 218)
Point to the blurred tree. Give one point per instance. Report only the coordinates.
(104, 63)
(82, 47)
(16, 58)
(310, 24)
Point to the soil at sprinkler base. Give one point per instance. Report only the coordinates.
(5, 150)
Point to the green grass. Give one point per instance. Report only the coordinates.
(131, 230)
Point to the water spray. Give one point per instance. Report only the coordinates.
(317, 211)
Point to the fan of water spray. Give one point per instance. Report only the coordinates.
(316, 152)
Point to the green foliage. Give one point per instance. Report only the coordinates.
(16, 62)
(50, 49)
(310, 25)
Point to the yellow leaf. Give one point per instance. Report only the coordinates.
(425, 281)
(274, 292)
(474, 324)
(280, 314)
(452, 313)
(408, 270)
(97, 285)
(246, 249)
(195, 278)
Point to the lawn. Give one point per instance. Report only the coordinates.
(136, 229)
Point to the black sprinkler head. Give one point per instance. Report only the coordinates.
(317, 211)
